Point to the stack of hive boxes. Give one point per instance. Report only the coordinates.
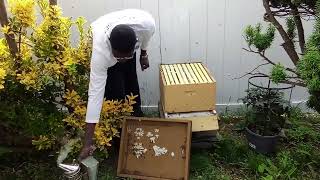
(188, 91)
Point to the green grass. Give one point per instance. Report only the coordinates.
(298, 156)
(32, 165)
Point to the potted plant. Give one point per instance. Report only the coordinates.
(266, 116)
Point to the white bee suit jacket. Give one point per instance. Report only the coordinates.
(102, 58)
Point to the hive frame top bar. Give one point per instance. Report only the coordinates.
(185, 73)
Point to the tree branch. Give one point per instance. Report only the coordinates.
(19, 42)
(53, 2)
(251, 72)
(288, 44)
(10, 38)
(284, 13)
(267, 59)
(301, 84)
(297, 20)
(27, 44)
(309, 11)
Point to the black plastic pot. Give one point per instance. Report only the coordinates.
(262, 144)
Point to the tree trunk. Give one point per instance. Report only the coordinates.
(288, 44)
(4, 21)
(297, 20)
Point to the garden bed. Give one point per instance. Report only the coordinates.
(298, 156)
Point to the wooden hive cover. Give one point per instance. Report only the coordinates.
(148, 134)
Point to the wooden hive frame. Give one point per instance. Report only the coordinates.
(185, 73)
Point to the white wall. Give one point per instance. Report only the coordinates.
(194, 30)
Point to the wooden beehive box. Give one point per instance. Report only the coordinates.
(186, 87)
(201, 121)
(139, 157)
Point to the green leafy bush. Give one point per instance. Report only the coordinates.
(310, 70)
(260, 40)
(267, 111)
(278, 73)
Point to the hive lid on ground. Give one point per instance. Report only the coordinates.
(155, 148)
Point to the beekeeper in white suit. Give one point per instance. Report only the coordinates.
(116, 38)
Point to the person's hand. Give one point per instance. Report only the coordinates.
(86, 151)
(144, 61)
(88, 147)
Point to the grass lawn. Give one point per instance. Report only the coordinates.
(298, 156)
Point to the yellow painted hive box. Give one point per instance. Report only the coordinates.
(187, 87)
(201, 121)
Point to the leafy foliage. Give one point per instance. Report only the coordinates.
(291, 28)
(304, 134)
(260, 40)
(307, 72)
(230, 150)
(202, 167)
(230, 157)
(268, 110)
(285, 3)
(278, 73)
(43, 88)
(297, 159)
(294, 12)
(285, 168)
(255, 160)
(309, 68)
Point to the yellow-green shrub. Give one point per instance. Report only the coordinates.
(46, 82)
